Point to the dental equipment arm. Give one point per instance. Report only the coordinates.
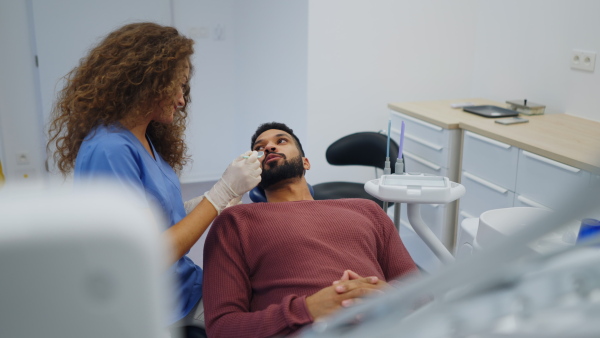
(241, 176)
(414, 190)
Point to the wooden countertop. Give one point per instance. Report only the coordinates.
(439, 112)
(564, 138)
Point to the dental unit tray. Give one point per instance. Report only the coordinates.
(415, 188)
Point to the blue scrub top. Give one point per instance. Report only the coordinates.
(114, 152)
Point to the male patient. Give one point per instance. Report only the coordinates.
(269, 267)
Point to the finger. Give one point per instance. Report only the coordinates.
(366, 282)
(347, 302)
(256, 173)
(350, 302)
(373, 279)
(340, 288)
(358, 282)
(352, 274)
(363, 292)
(345, 276)
(254, 165)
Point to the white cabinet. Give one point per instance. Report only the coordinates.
(497, 175)
(547, 182)
(489, 171)
(493, 161)
(490, 160)
(432, 150)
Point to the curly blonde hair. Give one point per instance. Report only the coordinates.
(127, 74)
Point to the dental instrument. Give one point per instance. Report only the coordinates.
(399, 170)
(387, 170)
(260, 154)
(399, 160)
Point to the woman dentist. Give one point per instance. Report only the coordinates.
(122, 115)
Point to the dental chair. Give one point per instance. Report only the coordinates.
(258, 194)
(363, 148)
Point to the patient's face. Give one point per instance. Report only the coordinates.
(282, 158)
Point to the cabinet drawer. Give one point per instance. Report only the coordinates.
(548, 182)
(423, 139)
(417, 164)
(482, 195)
(522, 201)
(491, 160)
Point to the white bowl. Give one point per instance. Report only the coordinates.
(498, 223)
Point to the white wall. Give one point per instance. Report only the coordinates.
(20, 118)
(255, 72)
(524, 50)
(366, 54)
(271, 66)
(329, 68)
(212, 86)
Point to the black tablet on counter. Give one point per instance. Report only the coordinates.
(491, 111)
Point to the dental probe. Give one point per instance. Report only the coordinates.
(260, 154)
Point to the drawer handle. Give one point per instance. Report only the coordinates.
(466, 214)
(531, 203)
(421, 122)
(551, 162)
(489, 140)
(485, 183)
(421, 160)
(423, 142)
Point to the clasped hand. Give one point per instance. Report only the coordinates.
(343, 293)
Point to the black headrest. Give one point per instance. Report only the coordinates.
(258, 194)
(364, 148)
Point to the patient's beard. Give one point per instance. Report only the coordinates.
(294, 168)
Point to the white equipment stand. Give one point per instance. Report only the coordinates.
(414, 190)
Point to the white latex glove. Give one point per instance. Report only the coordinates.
(235, 201)
(241, 176)
(191, 204)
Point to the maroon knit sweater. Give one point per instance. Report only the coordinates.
(262, 260)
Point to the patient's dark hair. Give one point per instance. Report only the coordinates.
(279, 126)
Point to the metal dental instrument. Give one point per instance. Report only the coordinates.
(399, 170)
(260, 154)
(387, 170)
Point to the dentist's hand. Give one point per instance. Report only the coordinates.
(241, 176)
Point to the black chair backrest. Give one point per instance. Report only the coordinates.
(364, 148)
(258, 194)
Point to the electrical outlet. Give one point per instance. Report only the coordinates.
(583, 60)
